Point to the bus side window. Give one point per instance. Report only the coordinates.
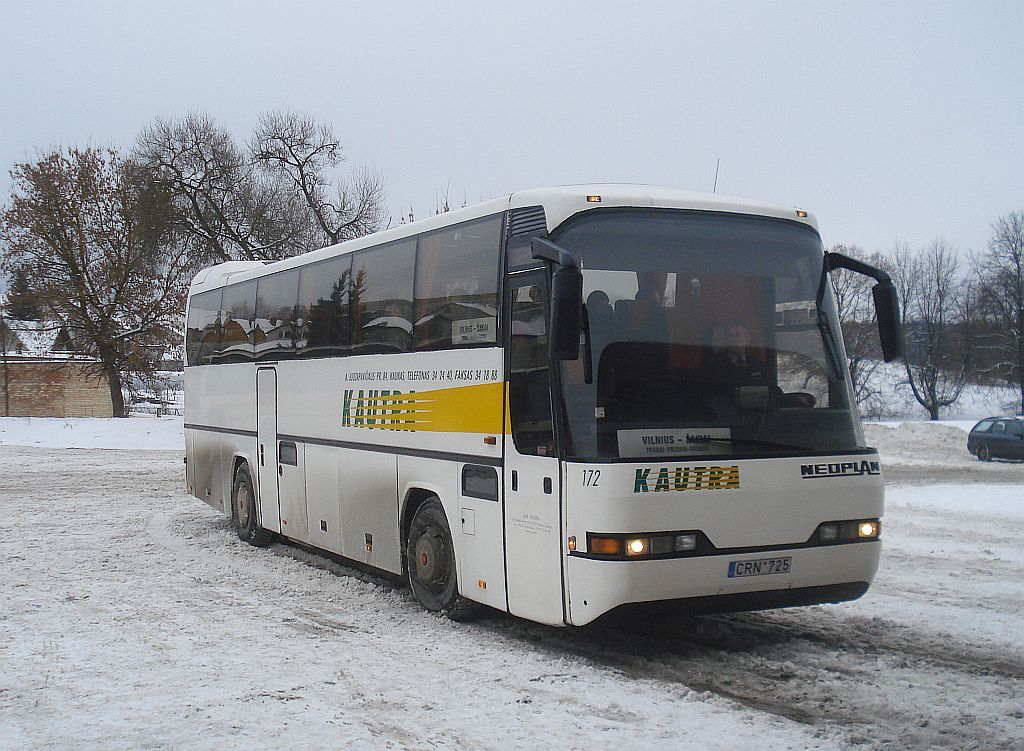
(324, 295)
(529, 395)
(457, 285)
(275, 331)
(381, 290)
(202, 336)
(236, 331)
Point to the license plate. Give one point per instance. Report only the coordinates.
(759, 567)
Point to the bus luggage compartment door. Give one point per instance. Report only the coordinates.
(291, 489)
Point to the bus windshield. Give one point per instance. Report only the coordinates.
(709, 335)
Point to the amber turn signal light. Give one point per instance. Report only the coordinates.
(606, 545)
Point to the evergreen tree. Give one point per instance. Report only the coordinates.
(22, 301)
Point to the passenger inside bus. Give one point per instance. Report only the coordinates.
(729, 357)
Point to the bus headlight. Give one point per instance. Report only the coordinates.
(851, 531)
(868, 529)
(638, 546)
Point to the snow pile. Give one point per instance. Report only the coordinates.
(920, 443)
(145, 433)
(931, 444)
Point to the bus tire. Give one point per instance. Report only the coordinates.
(430, 559)
(243, 511)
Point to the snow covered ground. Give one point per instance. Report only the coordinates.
(141, 432)
(131, 617)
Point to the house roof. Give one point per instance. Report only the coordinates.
(34, 339)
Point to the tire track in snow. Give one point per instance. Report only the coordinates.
(825, 670)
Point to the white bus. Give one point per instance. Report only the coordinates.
(556, 404)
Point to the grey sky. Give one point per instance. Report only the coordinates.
(889, 120)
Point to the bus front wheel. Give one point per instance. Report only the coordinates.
(430, 560)
(243, 511)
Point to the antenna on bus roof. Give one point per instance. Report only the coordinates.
(718, 163)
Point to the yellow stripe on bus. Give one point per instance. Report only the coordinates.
(462, 409)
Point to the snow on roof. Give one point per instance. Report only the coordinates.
(243, 323)
(490, 310)
(34, 338)
(390, 322)
(39, 339)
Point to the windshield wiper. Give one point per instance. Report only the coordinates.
(828, 336)
(761, 443)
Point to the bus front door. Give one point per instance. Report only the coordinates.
(533, 519)
(266, 443)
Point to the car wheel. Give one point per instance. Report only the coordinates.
(984, 454)
(243, 511)
(430, 560)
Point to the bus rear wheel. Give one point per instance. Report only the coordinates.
(243, 511)
(430, 560)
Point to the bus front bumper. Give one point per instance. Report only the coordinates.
(695, 585)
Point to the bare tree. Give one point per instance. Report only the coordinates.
(935, 313)
(223, 209)
(856, 308)
(1000, 284)
(303, 154)
(272, 198)
(73, 225)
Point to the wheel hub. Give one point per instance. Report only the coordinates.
(431, 558)
(243, 505)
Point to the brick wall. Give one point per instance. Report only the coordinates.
(54, 388)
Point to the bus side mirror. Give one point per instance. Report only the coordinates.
(566, 313)
(887, 309)
(887, 304)
(566, 299)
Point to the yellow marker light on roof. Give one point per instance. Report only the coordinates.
(801, 213)
(593, 199)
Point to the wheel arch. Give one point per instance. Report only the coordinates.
(415, 496)
(237, 460)
(454, 604)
